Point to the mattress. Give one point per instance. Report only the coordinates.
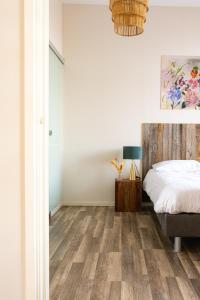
(173, 192)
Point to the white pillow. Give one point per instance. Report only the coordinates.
(177, 166)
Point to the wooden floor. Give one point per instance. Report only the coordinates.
(97, 254)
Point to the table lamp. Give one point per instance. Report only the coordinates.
(132, 152)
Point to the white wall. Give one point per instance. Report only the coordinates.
(112, 85)
(11, 177)
(56, 24)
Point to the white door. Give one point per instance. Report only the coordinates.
(55, 132)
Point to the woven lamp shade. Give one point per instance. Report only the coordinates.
(129, 16)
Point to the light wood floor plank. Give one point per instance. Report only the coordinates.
(72, 282)
(187, 289)
(163, 263)
(174, 291)
(101, 290)
(188, 266)
(84, 290)
(115, 290)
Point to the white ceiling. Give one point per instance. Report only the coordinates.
(189, 3)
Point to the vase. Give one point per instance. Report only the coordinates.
(119, 176)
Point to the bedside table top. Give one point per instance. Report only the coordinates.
(128, 180)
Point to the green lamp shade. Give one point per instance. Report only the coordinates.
(132, 152)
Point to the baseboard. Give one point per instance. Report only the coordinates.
(100, 203)
(54, 211)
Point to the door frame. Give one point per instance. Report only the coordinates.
(36, 106)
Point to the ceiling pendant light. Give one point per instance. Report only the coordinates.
(129, 16)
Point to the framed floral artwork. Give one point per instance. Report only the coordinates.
(180, 82)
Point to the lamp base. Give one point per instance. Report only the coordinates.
(132, 171)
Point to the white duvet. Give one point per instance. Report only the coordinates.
(173, 192)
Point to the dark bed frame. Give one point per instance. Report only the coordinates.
(166, 142)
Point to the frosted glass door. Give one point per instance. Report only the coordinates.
(55, 131)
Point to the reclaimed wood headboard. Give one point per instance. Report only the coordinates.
(169, 141)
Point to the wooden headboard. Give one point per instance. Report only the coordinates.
(169, 141)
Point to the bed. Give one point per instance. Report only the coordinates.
(163, 142)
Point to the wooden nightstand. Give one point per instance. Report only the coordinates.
(128, 194)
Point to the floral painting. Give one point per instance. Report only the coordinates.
(180, 82)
